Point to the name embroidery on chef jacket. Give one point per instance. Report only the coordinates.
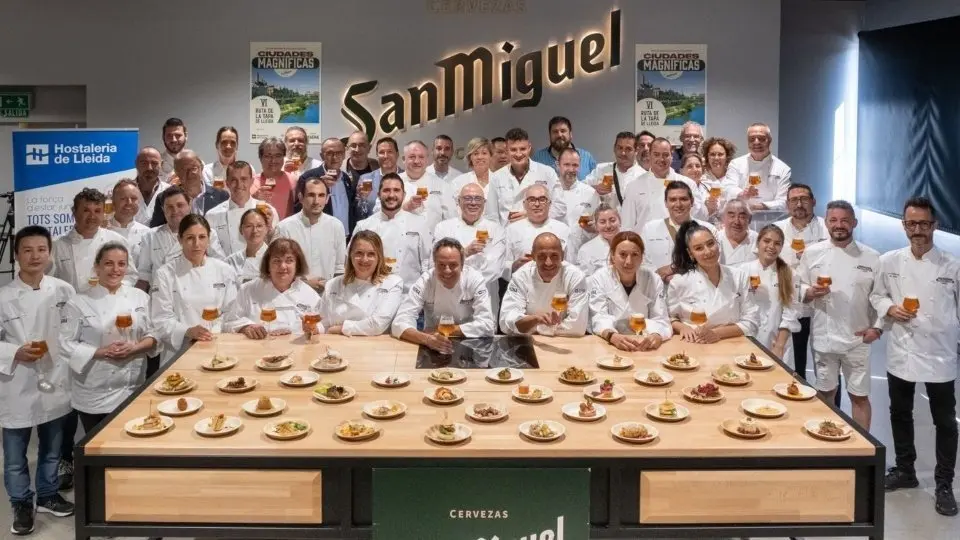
(219, 285)
(466, 300)
(863, 268)
(140, 310)
(945, 281)
(303, 307)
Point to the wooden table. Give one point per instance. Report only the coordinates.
(693, 480)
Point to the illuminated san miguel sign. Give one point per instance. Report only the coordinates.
(521, 80)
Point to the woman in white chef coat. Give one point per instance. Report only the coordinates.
(708, 301)
(108, 363)
(282, 285)
(364, 300)
(595, 254)
(479, 157)
(625, 288)
(693, 168)
(777, 296)
(254, 229)
(188, 285)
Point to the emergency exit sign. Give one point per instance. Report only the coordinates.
(15, 104)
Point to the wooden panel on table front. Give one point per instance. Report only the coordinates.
(756, 496)
(213, 496)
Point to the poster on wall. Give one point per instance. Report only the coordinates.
(671, 88)
(50, 166)
(284, 89)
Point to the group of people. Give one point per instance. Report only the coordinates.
(659, 243)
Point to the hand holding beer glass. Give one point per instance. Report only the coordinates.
(753, 182)
(638, 323)
(754, 283)
(124, 320)
(310, 321)
(268, 314)
(39, 346)
(559, 304)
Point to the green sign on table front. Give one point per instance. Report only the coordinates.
(481, 504)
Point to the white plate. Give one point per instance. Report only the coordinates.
(730, 426)
(322, 366)
(754, 405)
(349, 394)
(374, 430)
(131, 426)
(308, 378)
(370, 409)
(462, 432)
(806, 392)
(609, 362)
(812, 428)
(742, 380)
(641, 377)
(688, 393)
(499, 406)
(169, 407)
(557, 427)
(277, 407)
(380, 379)
(279, 366)
(694, 364)
(572, 411)
(429, 394)
(590, 378)
(515, 375)
(231, 425)
(618, 393)
(191, 384)
(270, 430)
(765, 362)
(651, 432)
(453, 375)
(546, 394)
(251, 383)
(653, 411)
(230, 362)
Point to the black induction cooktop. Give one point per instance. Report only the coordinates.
(482, 353)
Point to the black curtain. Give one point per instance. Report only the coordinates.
(908, 141)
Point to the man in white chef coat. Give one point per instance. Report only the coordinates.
(643, 198)
(738, 243)
(148, 181)
(511, 181)
(126, 204)
(442, 154)
(34, 381)
(406, 238)
(527, 303)
(622, 171)
(580, 199)
(174, 141)
(922, 347)
(449, 290)
(321, 236)
(644, 142)
(844, 321)
(521, 234)
(774, 174)
(225, 217)
(388, 155)
(660, 235)
(74, 252)
(500, 156)
(416, 179)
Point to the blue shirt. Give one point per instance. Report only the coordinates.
(587, 163)
(340, 200)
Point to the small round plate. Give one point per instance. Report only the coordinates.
(590, 378)
(617, 432)
(764, 362)
(220, 363)
(805, 392)
(300, 428)
(572, 411)
(391, 380)
(497, 375)
(169, 407)
(732, 425)
(277, 406)
(230, 425)
(325, 365)
(733, 378)
(461, 433)
(384, 409)
(653, 411)
(812, 427)
(190, 385)
(615, 362)
(131, 426)
(249, 384)
(501, 408)
(688, 393)
(448, 375)
(367, 430)
(531, 395)
(692, 364)
(306, 378)
(594, 393)
(348, 394)
(556, 427)
(431, 394)
(763, 408)
(641, 376)
(263, 365)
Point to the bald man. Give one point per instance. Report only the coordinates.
(423, 190)
(528, 306)
(148, 182)
(536, 220)
(358, 162)
(188, 167)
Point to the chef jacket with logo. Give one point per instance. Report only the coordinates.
(658, 241)
(361, 308)
(528, 294)
(611, 307)
(468, 302)
(644, 200)
(451, 193)
(774, 179)
(324, 243)
(406, 239)
(73, 257)
(730, 302)
(511, 190)
(290, 305)
(774, 315)
(522, 233)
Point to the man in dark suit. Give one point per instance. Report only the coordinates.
(188, 168)
(342, 203)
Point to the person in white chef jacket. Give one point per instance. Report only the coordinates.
(621, 172)
(642, 199)
(844, 321)
(738, 243)
(442, 153)
(479, 156)
(184, 287)
(320, 235)
(536, 220)
(717, 153)
(406, 238)
(483, 254)
(224, 218)
(226, 141)
(282, 286)
(34, 384)
(660, 235)
(527, 305)
(365, 299)
(777, 296)
(126, 202)
(703, 285)
(922, 347)
(512, 181)
(108, 364)
(771, 193)
(246, 262)
(693, 169)
(416, 178)
(449, 290)
(580, 199)
(73, 253)
(595, 254)
(624, 288)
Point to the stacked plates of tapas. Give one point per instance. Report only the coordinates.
(183, 406)
(542, 430)
(584, 411)
(615, 362)
(652, 377)
(287, 429)
(448, 375)
(487, 412)
(264, 406)
(219, 425)
(299, 379)
(634, 432)
(384, 409)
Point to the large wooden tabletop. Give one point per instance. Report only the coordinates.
(697, 436)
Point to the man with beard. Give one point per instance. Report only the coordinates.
(189, 169)
(644, 140)
(660, 235)
(501, 158)
(321, 236)
(643, 198)
(442, 153)
(622, 171)
(738, 244)
(917, 289)
(423, 190)
(296, 161)
(342, 201)
(560, 131)
(369, 184)
(759, 163)
(174, 139)
(73, 253)
(148, 179)
(512, 181)
(358, 162)
(581, 201)
(836, 280)
(691, 137)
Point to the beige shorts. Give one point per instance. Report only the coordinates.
(855, 365)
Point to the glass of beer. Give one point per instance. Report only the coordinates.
(584, 221)
(310, 321)
(911, 303)
(268, 314)
(715, 192)
(269, 184)
(638, 323)
(483, 235)
(36, 341)
(390, 262)
(559, 302)
(93, 281)
(263, 207)
(754, 282)
(798, 245)
(608, 181)
(210, 314)
(423, 192)
(824, 281)
(219, 183)
(445, 325)
(666, 182)
(123, 322)
(754, 180)
(366, 187)
(108, 206)
(698, 317)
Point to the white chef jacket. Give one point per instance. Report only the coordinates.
(451, 191)
(450, 175)
(179, 293)
(133, 233)
(729, 189)
(774, 315)
(815, 231)
(435, 207)
(324, 243)
(225, 219)
(407, 239)
(161, 245)
(924, 349)
(579, 199)
(594, 255)
(27, 313)
(361, 308)
(624, 178)
(728, 303)
(658, 243)
(510, 191)
(145, 214)
(488, 262)
(216, 169)
(610, 307)
(528, 294)
(643, 200)
(290, 304)
(247, 268)
(305, 165)
(774, 179)
(521, 234)
(746, 251)
(100, 384)
(73, 257)
(468, 302)
(847, 309)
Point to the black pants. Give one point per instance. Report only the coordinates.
(153, 365)
(69, 434)
(801, 342)
(90, 421)
(943, 406)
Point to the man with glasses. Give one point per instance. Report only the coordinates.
(771, 176)
(358, 162)
(342, 203)
(189, 169)
(274, 185)
(512, 181)
(917, 290)
(537, 220)
(691, 137)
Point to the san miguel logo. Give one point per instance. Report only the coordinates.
(521, 80)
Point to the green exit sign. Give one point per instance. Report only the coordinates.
(15, 104)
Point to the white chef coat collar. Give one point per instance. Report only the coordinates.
(231, 205)
(853, 248)
(112, 222)
(763, 161)
(74, 236)
(807, 226)
(746, 238)
(538, 279)
(934, 256)
(707, 277)
(19, 283)
(306, 221)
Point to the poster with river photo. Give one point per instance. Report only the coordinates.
(284, 89)
(671, 88)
